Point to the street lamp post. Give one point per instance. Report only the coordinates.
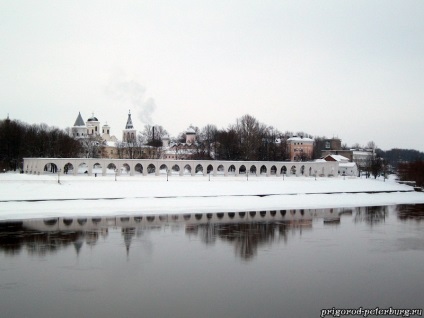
(58, 176)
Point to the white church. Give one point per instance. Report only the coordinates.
(116, 149)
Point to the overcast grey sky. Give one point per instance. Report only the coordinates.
(352, 69)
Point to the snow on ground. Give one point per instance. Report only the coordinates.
(30, 196)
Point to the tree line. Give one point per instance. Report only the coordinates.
(19, 140)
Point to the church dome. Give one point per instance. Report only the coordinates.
(93, 119)
(190, 131)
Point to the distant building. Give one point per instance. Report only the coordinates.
(180, 150)
(346, 167)
(361, 157)
(300, 148)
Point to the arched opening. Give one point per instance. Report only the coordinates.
(310, 171)
(125, 168)
(163, 169)
(111, 168)
(284, 170)
(138, 168)
(175, 169)
(199, 169)
(96, 220)
(209, 169)
(50, 222)
(68, 168)
(187, 169)
(232, 170)
(220, 169)
(273, 170)
(151, 168)
(82, 221)
(302, 170)
(263, 170)
(242, 169)
(82, 168)
(97, 168)
(293, 170)
(68, 222)
(253, 169)
(50, 168)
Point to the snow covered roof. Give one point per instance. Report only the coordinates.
(190, 131)
(297, 138)
(338, 158)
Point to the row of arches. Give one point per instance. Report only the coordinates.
(177, 167)
(111, 169)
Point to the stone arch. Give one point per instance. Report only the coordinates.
(125, 169)
(293, 170)
(283, 170)
(252, 169)
(232, 170)
(220, 170)
(111, 168)
(82, 168)
(263, 170)
(163, 169)
(68, 168)
(138, 168)
(175, 169)
(302, 170)
(199, 169)
(97, 168)
(209, 169)
(50, 167)
(151, 169)
(242, 169)
(187, 169)
(273, 170)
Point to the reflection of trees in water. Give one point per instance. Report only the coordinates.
(410, 212)
(246, 237)
(371, 214)
(14, 237)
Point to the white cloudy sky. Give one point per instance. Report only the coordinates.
(352, 69)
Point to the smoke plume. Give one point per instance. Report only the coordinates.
(133, 94)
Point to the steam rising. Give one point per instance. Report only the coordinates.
(133, 93)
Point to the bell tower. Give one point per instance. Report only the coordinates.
(129, 134)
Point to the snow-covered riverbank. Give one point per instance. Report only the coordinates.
(28, 196)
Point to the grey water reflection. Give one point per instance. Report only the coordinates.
(274, 263)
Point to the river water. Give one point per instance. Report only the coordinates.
(284, 263)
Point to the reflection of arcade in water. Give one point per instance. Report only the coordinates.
(246, 230)
(136, 221)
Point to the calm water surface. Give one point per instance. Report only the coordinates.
(288, 263)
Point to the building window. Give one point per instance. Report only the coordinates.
(327, 145)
